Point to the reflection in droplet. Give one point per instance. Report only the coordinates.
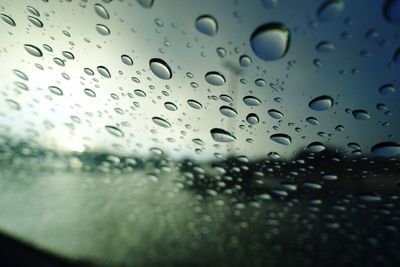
(330, 9)
(220, 135)
(228, 111)
(55, 90)
(215, 78)
(270, 41)
(114, 131)
(252, 118)
(386, 149)
(281, 138)
(35, 21)
(146, 3)
(321, 103)
(103, 29)
(387, 89)
(194, 104)
(160, 68)
(276, 114)
(251, 101)
(127, 60)
(391, 11)
(207, 25)
(101, 11)
(104, 71)
(161, 122)
(8, 19)
(360, 114)
(33, 50)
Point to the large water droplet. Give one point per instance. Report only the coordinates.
(160, 68)
(127, 60)
(215, 78)
(315, 147)
(387, 89)
(252, 118)
(114, 131)
(330, 9)
(194, 104)
(104, 71)
(276, 114)
(207, 25)
(312, 120)
(55, 90)
(8, 19)
(220, 135)
(161, 122)
(35, 21)
(251, 101)
(89, 92)
(33, 50)
(270, 41)
(360, 114)
(386, 149)
(170, 106)
(101, 11)
(281, 138)
(391, 11)
(103, 29)
(321, 103)
(228, 111)
(146, 3)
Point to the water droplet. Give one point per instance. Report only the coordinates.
(114, 131)
(20, 74)
(226, 98)
(139, 92)
(127, 60)
(245, 61)
(228, 111)
(221, 52)
(369, 197)
(13, 104)
(220, 135)
(312, 185)
(386, 149)
(329, 177)
(33, 50)
(89, 92)
(194, 104)
(360, 114)
(274, 155)
(88, 71)
(35, 21)
(161, 122)
(270, 3)
(387, 89)
(281, 138)
(101, 11)
(59, 61)
(103, 71)
(170, 106)
(339, 128)
(207, 25)
(160, 68)
(391, 11)
(8, 20)
(325, 47)
(312, 121)
(55, 90)
(252, 118)
(276, 114)
(330, 9)
(68, 55)
(33, 11)
(103, 29)
(270, 41)
(315, 147)
(146, 3)
(251, 101)
(215, 78)
(321, 103)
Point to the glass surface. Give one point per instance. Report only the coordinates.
(202, 133)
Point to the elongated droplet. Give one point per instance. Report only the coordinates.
(114, 131)
(161, 122)
(8, 19)
(104, 71)
(386, 149)
(330, 9)
(321, 103)
(207, 25)
(160, 68)
(220, 135)
(215, 78)
(281, 138)
(101, 11)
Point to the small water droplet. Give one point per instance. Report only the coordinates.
(114, 131)
(325, 47)
(55, 90)
(312, 120)
(386, 149)
(127, 60)
(207, 25)
(360, 114)
(387, 89)
(89, 92)
(170, 106)
(101, 11)
(221, 52)
(321, 103)
(103, 29)
(161, 122)
(251, 101)
(315, 147)
(194, 104)
(68, 55)
(270, 41)
(160, 68)
(330, 9)
(33, 50)
(281, 138)
(215, 78)
(369, 197)
(20, 74)
(220, 135)
(8, 19)
(139, 92)
(33, 11)
(103, 71)
(245, 61)
(276, 114)
(396, 56)
(228, 111)
(252, 118)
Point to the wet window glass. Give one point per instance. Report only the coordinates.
(201, 133)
